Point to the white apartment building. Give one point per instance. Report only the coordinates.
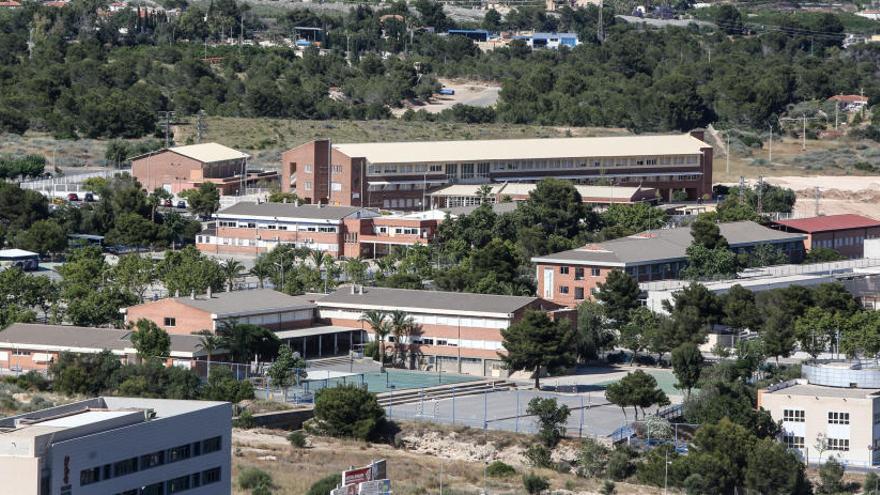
(834, 411)
(118, 446)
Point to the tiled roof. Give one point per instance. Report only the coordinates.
(829, 223)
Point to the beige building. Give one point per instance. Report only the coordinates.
(829, 413)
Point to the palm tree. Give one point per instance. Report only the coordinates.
(355, 270)
(378, 324)
(209, 343)
(156, 198)
(232, 271)
(262, 270)
(400, 326)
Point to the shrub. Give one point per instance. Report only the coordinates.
(592, 458)
(607, 487)
(620, 464)
(251, 478)
(348, 411)
(535, 484)
(551, 419)
(297, 439)
(244, 420)
(831, 477)
(498, 469)
(538, 455)
(325, 485)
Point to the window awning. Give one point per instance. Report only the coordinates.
(391, 183)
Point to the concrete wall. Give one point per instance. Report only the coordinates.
(188, 320)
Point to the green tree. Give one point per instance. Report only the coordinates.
(536, 343)
(156, 199)
(187, 270)
(817, 328)
(592, 458)
(46, 237)
(593, 333)
(135, 273)
(831, 477)
(738, 308)
(325, 485)
(246, 342)
(150, 341)
(706, 233)
(84, 374)
(823, 255)
(223, 386)
(348, 411)
(687, 364)
(203, 201)
(131, 229)
(232, 271)
(729, 19)
(355, 270)
(636, 334)
(535, 484)
(771, 468)
(637, 390)
(634, 218)
(551, 419)
(492, 21)
(709, 264)
(209, 343)
(283, 369)
(377, 320)
(620, 295)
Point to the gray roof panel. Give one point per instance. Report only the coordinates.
(289, 210)
(85, 337)
(409, 299)
(247, 302)
(665, 244)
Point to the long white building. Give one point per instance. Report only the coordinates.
(118, 446)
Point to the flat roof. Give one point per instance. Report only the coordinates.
(524, 188)
(84, 418)
(810, 390)
(464, 303)
(829, 223)
(313, 331)
(85, 339)
(17, 253)
(209, 152)
(523, 149)
(663, 244)
(290, 211)
(246, 302)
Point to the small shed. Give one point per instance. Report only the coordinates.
(26, 260)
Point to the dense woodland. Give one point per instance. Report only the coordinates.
(84, 77)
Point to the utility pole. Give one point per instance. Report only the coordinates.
(201, 126)
(818, 197)
(770, 149)
(727, 167)
(760, 192)
(166, 117)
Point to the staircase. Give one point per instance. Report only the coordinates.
(440, 392)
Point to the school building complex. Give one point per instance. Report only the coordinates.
(253, 228)
(119, 446)
(570, 277)
(401, 175)
(463, 195)
(845, 234)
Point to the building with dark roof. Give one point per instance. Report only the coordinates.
(29, 346)
(186, 315)
(845, 234)
(253, 228)
(457, 331)
(570, 277)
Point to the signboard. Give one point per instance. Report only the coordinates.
(375, 487)
(375, 471)
(367, 480)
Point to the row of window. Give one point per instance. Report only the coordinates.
(177, 485)
(147, 461)
(270, 226)
(397, 230)
(401, 203)
(837, 242)
(483, 168)
(579, 272)
(578, 291)
(835, 444)
(798, 416)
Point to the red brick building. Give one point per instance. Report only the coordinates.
(190, 314)
(32, 347)
(845, 234)
(252, 228)
(401, 175)
(186, 167)
(571, 277)
(458, 332)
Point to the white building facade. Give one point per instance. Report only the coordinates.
(118, 446)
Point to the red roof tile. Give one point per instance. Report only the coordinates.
(829, 223)
(849, 98)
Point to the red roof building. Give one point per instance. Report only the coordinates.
(11, 4)
(843, 233)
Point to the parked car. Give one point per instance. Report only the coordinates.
(89, 197)
(167, 203)
(181, 204)
(446, 91)
(72, 197)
